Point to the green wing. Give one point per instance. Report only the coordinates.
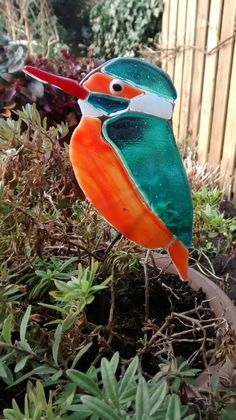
(147, 148)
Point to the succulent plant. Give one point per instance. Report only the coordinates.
(11, 59)
(17, 89)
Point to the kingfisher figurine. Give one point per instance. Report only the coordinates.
(124, 154)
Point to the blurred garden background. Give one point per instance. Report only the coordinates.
(192, 41)
(65, 295)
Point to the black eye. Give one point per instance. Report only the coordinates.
(116, 86)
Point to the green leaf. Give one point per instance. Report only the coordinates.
(56, 344)
(26, 405)
(8, 377)
(142, 406)
(99, 407)
(13, 413)
(9, 414)
(85, 286)
(128, 378)
(7, 329)
(81, 412)
(176, 384)
(54, 308)
(21, 364)
(56, 375)
(3, 373)
(214, 381)
(24, 345)
(114, 362)
(97, 288)
(69, 321)
(7, 356)
(39, 370)
(41, 395)
(24, 323)
(129, 396)
(228, 412)
(62, 286)
(38, 413)
(109, 382)
(49, 411)
(45, 123)
(89, 299)
(158, 397)
(106, 281)
(22, 378)
(212, 235)
(93, 372)
(66, 276)
(67, 396)
(102, 285)
(84, 382)
(68, 262)
(190, 373)
(17, 410)
(63, 297)
(181, 364)
(80, 353)
(173, 411)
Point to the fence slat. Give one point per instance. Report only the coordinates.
(172, 36)
(198, 68)
(165, 34)
(209, 80)
(179, 61)
(202, 65)
(187, 70)
(222, 84)
(229, 150)
(234, 186)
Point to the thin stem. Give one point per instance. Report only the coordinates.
(147, 292)
(112, 307)
(113, 242)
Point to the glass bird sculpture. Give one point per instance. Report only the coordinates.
(124, 154)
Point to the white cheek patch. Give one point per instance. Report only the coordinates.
(88, 110)
(148, 103)
(153, 105)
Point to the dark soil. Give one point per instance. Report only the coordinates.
(225, 264)
(228, 209)
(128, 332)
(225, 267)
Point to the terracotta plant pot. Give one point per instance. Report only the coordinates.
(220, 304)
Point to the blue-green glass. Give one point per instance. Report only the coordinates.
(106, 103)
(147, 148)
(143, 75)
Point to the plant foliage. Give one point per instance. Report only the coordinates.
(122, 27)
(39, 209)
(30, 22)
(17, 89)
(213, 232)
(98, 394)
(73, 21)
(58, 307)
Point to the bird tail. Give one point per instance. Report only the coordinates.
(179, 256)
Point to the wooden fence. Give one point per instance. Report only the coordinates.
(199, 53)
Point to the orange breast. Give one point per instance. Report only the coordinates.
(107, 185)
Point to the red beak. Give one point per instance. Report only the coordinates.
(68, 85)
